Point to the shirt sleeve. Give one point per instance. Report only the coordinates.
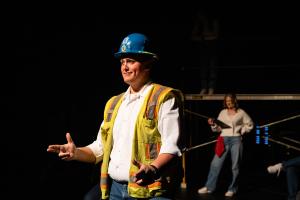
(215, 127)
(247, 123)
(97, 147)
(169, 127)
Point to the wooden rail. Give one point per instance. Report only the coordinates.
(196, 97)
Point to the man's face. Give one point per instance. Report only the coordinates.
(133, 71)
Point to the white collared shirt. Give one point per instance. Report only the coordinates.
(123, 130)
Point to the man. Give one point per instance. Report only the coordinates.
(138, 141)
(292, 171)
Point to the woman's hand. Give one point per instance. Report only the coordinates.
(211, 121)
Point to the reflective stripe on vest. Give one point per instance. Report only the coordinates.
(150, 113)
(112, 107)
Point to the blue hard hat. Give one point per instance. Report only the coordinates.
(136, 43)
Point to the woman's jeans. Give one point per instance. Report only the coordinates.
(234, 146)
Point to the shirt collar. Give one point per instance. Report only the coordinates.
(142, 93)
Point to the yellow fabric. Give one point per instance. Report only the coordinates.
(107, 140)
(146, 142)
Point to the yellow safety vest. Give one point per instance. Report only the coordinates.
(147, 141)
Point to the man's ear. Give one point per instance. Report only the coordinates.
(147, 68)
(148, 64)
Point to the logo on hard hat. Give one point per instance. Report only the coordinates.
(125, 44)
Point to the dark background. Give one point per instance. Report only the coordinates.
(63, 71)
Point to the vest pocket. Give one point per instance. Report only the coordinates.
(150, 139)
(105, 129)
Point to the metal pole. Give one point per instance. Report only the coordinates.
(200, 145)
(288, 146)
(277, 122)
(197, 114)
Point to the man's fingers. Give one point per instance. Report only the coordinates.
(53, 148)
(136, 163)
(139, 181)
(64, 155)
(69, 138)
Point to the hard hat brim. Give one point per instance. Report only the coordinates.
(149, 55)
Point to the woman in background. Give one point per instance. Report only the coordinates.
(231, 139)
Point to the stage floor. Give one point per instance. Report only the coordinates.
(253, 185)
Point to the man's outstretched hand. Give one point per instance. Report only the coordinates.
(65, 151)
